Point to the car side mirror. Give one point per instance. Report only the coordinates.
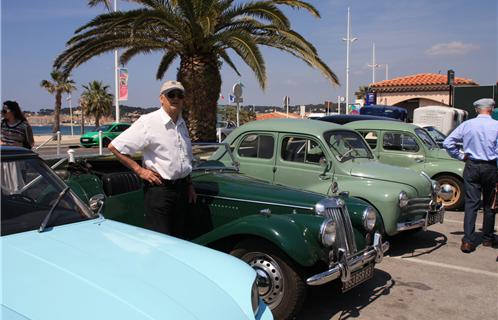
(96, 202)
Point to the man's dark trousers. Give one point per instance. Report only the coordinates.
(479, 177)
(166, 207)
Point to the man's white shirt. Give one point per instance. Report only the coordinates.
(166, 146)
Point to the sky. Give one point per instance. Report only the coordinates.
(423, 36)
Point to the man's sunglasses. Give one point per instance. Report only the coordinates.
(172, 95)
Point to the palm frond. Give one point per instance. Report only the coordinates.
(223, 54)
(166, 61)
(300, 5)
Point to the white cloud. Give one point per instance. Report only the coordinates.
(451, 48)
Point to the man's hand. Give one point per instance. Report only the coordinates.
(149, 176)
(192, 196)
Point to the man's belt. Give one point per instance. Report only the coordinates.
(492, 162)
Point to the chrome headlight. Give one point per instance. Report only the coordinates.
(403, 199)
(369, 218)
(255, 297)
(328, 233)
(436, 187)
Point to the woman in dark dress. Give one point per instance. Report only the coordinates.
(16, 130)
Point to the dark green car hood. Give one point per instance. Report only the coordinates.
(237, 186)
(372, 169)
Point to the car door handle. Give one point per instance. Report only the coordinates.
(323, 177)
(419, 160)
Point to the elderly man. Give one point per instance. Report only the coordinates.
(480, 153)
(162, 135)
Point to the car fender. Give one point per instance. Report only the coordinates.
(295, 234)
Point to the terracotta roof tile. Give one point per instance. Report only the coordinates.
(276, 115)
(421, 79)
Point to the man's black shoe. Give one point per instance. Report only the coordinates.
(467, 247)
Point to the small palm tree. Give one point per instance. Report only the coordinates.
(361, 92)
(59, 84)
(201, 33)
(96, 100)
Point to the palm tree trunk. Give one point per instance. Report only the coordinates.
(200, 75)
(57, 111)
(82, 119)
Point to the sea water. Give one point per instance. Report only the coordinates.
(65, 130)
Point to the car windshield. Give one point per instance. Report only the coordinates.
(437, 135)
(103, 128)
(426, 138)
(347, 145)
(29, 189)
(208, 156)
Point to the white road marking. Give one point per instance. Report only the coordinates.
(449, 266)
(461, 222)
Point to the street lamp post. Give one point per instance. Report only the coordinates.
(116, 73)
(373, 65)
(348, 40)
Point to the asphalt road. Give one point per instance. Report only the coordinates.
(423, 276)
(51, 150)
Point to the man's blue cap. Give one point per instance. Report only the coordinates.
(484, 103)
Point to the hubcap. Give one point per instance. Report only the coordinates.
(270, 279)
(453, 199)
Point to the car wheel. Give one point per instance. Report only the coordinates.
(456, 200)
(280, 286)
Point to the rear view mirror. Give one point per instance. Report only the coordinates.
(96, 202)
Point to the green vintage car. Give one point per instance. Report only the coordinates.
(109, 132)
(409, 146)
(315, 155)
(292, 238)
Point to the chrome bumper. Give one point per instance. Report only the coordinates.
(348, 265)
(431, 217)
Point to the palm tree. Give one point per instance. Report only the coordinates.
(96, 100)
(201, 33)
(59, 84)
(361, 92)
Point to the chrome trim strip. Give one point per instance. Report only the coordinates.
(255, 201)
(352, 264)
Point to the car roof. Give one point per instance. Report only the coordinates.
(346, 118)
(385, 106)
(15, 151)
(381, 124)
(287, 125)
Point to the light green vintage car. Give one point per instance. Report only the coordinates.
(409, 146)
(315, 156)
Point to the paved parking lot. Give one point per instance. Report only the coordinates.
(423, 276)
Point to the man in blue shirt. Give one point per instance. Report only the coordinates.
(480, 153)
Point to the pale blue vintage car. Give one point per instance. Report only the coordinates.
(63, 260)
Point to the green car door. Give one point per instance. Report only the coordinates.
(256, 151)
(301, 161)
(401, 149)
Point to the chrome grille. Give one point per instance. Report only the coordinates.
(417, 206)
(345, 235)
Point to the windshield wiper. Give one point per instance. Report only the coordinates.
(49, 214)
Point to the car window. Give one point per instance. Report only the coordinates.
(399, 142)
(257, 146)
(347, 145)
(370, 137)
(298, 149)
(426, 138)
(104, 128)
(29, 189)
(121, 127)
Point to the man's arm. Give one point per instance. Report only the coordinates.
(145, 174)
(450, 143)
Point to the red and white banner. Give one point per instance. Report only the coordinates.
(123, 84)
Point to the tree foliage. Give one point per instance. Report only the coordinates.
(203, 34)
(96, 100)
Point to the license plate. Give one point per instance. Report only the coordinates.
(358, 277)
(85, 140)
(434, 218)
